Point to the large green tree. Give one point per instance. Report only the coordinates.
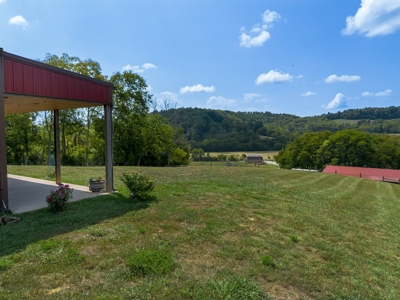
(75, 123)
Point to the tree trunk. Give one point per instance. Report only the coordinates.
(63, 142)
(26, 156)
(49, 131)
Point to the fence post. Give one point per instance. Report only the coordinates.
(383, 178)
(335, 172)
(360, 175)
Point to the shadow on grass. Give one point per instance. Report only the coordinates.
(42, 224)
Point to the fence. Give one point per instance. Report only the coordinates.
(370, 177)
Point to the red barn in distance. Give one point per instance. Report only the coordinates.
(388, 175)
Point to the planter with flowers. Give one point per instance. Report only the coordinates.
(57, 200)
(96, 184)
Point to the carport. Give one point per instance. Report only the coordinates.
(29, 86)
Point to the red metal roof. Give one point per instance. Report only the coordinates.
(23, 76)
(368, 173)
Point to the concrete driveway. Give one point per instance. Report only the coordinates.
(27, 194)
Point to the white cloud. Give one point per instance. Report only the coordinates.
(273, 77)
(270, 16)
(138, 69)
(166, 98)
(384, 94)
(374, 17)
(149, 66)
(135, 69)
(249, 96)
(248, 41)
(258, 35)
(337, 102)
(2, 1)
(199, 88)
(300, 76)
(367, 94)
(379, 94)
(343, 78)
(169, 95)
(308, 94)
(18, 20)
(219, 102)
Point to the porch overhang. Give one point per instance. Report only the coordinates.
(29, 86)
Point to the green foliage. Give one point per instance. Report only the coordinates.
(57, 200)
(151, 262)
(197, 154)
(5, 264)
(237, 288)
(294, 238)
(267, 260)
(139, 184)
(179, 157)
(217, 130)
(343, 148)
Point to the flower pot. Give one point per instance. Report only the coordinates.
(96, 186)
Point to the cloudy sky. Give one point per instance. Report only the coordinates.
(303, 57)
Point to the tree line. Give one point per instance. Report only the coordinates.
(140, 138)
(220, 130)
(315, 150)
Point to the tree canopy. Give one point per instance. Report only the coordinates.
(140, 138)
(347, 147)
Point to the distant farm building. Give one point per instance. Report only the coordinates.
(254, 159)
(388, 175)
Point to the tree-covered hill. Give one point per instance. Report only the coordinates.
(222, 130)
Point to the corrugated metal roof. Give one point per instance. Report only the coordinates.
(23, 76)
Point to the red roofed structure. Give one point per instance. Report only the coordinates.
(388, 175)
(28, 86)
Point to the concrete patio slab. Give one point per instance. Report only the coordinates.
(27, 194)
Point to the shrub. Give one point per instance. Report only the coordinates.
(57, 200)
(151, 262)
(138, 184)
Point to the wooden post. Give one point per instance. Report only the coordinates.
(3, 147)
(360, 175)
(383, 178)
(109, 148)
(335, 172)
(57, 157)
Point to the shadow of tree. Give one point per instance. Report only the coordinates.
(42, 224)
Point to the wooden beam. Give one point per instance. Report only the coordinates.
(109, 148)
(57, 157)
(3, 147)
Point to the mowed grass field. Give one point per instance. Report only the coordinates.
(210, 233)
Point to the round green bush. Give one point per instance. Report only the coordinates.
(138, 184)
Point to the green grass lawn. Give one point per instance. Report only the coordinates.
(210, 233)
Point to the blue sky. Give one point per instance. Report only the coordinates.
(303, 57)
